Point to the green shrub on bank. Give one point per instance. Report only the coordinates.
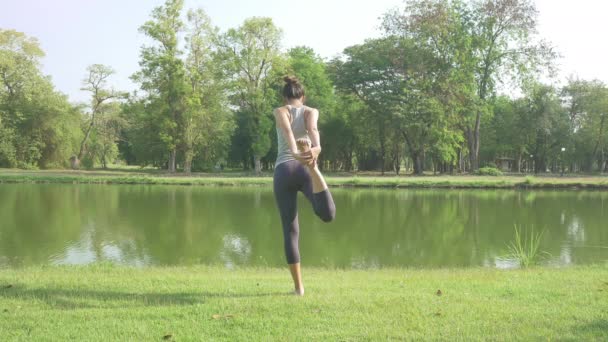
(489, 171)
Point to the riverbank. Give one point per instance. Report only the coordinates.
(103, 302)
(338, 180)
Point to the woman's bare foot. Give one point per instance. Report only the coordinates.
(303, 145)
(299, 292)
(318, 182)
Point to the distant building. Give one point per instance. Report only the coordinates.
(505, 164)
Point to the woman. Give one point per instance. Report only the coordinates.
(296, 170)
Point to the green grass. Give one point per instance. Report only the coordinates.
(525, 249)
(111, 303)
(339, 180)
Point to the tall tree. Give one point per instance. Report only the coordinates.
(411, 95)
(369, 73)
(38, 126)
(549, 121)
(163, 74)
(207, 122)
(102, 146)
(587, 106)
(250, 52)
(499, 39)
(101, 96)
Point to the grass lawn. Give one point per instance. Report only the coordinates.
(343, 180)
(103, 302)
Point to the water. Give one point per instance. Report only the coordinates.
(177, 225)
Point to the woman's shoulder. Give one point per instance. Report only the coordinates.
(311, 110)
(282, 109)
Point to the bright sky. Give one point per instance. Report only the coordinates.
(76, 33)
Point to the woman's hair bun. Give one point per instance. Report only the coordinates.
(291, 80)
(293, 89)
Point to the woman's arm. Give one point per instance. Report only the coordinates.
(313, 132)
(282, 120)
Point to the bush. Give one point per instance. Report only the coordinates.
(489, 171)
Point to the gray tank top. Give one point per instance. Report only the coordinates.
(298, 127)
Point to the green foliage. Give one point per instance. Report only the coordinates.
(163, 74)
(102, 124)
(424, 93)
(483, 43)
(489, 171)
(39, 128)
(8, 156)
(249, 54)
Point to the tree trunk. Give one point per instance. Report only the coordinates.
(74, 162)
(188, 161)
(461, 165)
(83, 144)
(258, 165)
(473, 143)
(397, 165)
(382, 155)
(172, 161)
(602, 163)
(519, 160)
(418, 163)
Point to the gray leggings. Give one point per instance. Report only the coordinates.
(289, 178)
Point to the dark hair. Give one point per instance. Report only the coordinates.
(293, 89)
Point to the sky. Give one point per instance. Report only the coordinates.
(77, 33)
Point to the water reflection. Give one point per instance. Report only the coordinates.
(236, 251)
(170, 225)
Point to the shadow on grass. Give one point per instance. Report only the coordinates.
(596, 329)
(68, 299)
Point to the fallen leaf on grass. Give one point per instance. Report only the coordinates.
(216, 316)
(439, 292)
(437, 314)
(167, 337)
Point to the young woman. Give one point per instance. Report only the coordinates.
(296, 170)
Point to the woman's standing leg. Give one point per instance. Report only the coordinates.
(286, 193)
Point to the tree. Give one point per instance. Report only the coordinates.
(163, 74)
(249, 53)
(141, 137)
(96, 83)
(207, 122)
(495, 40)
(587, 106)
(411, 95)
(370, 75)
(549, 122)
(102, 147)
(38, 127)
